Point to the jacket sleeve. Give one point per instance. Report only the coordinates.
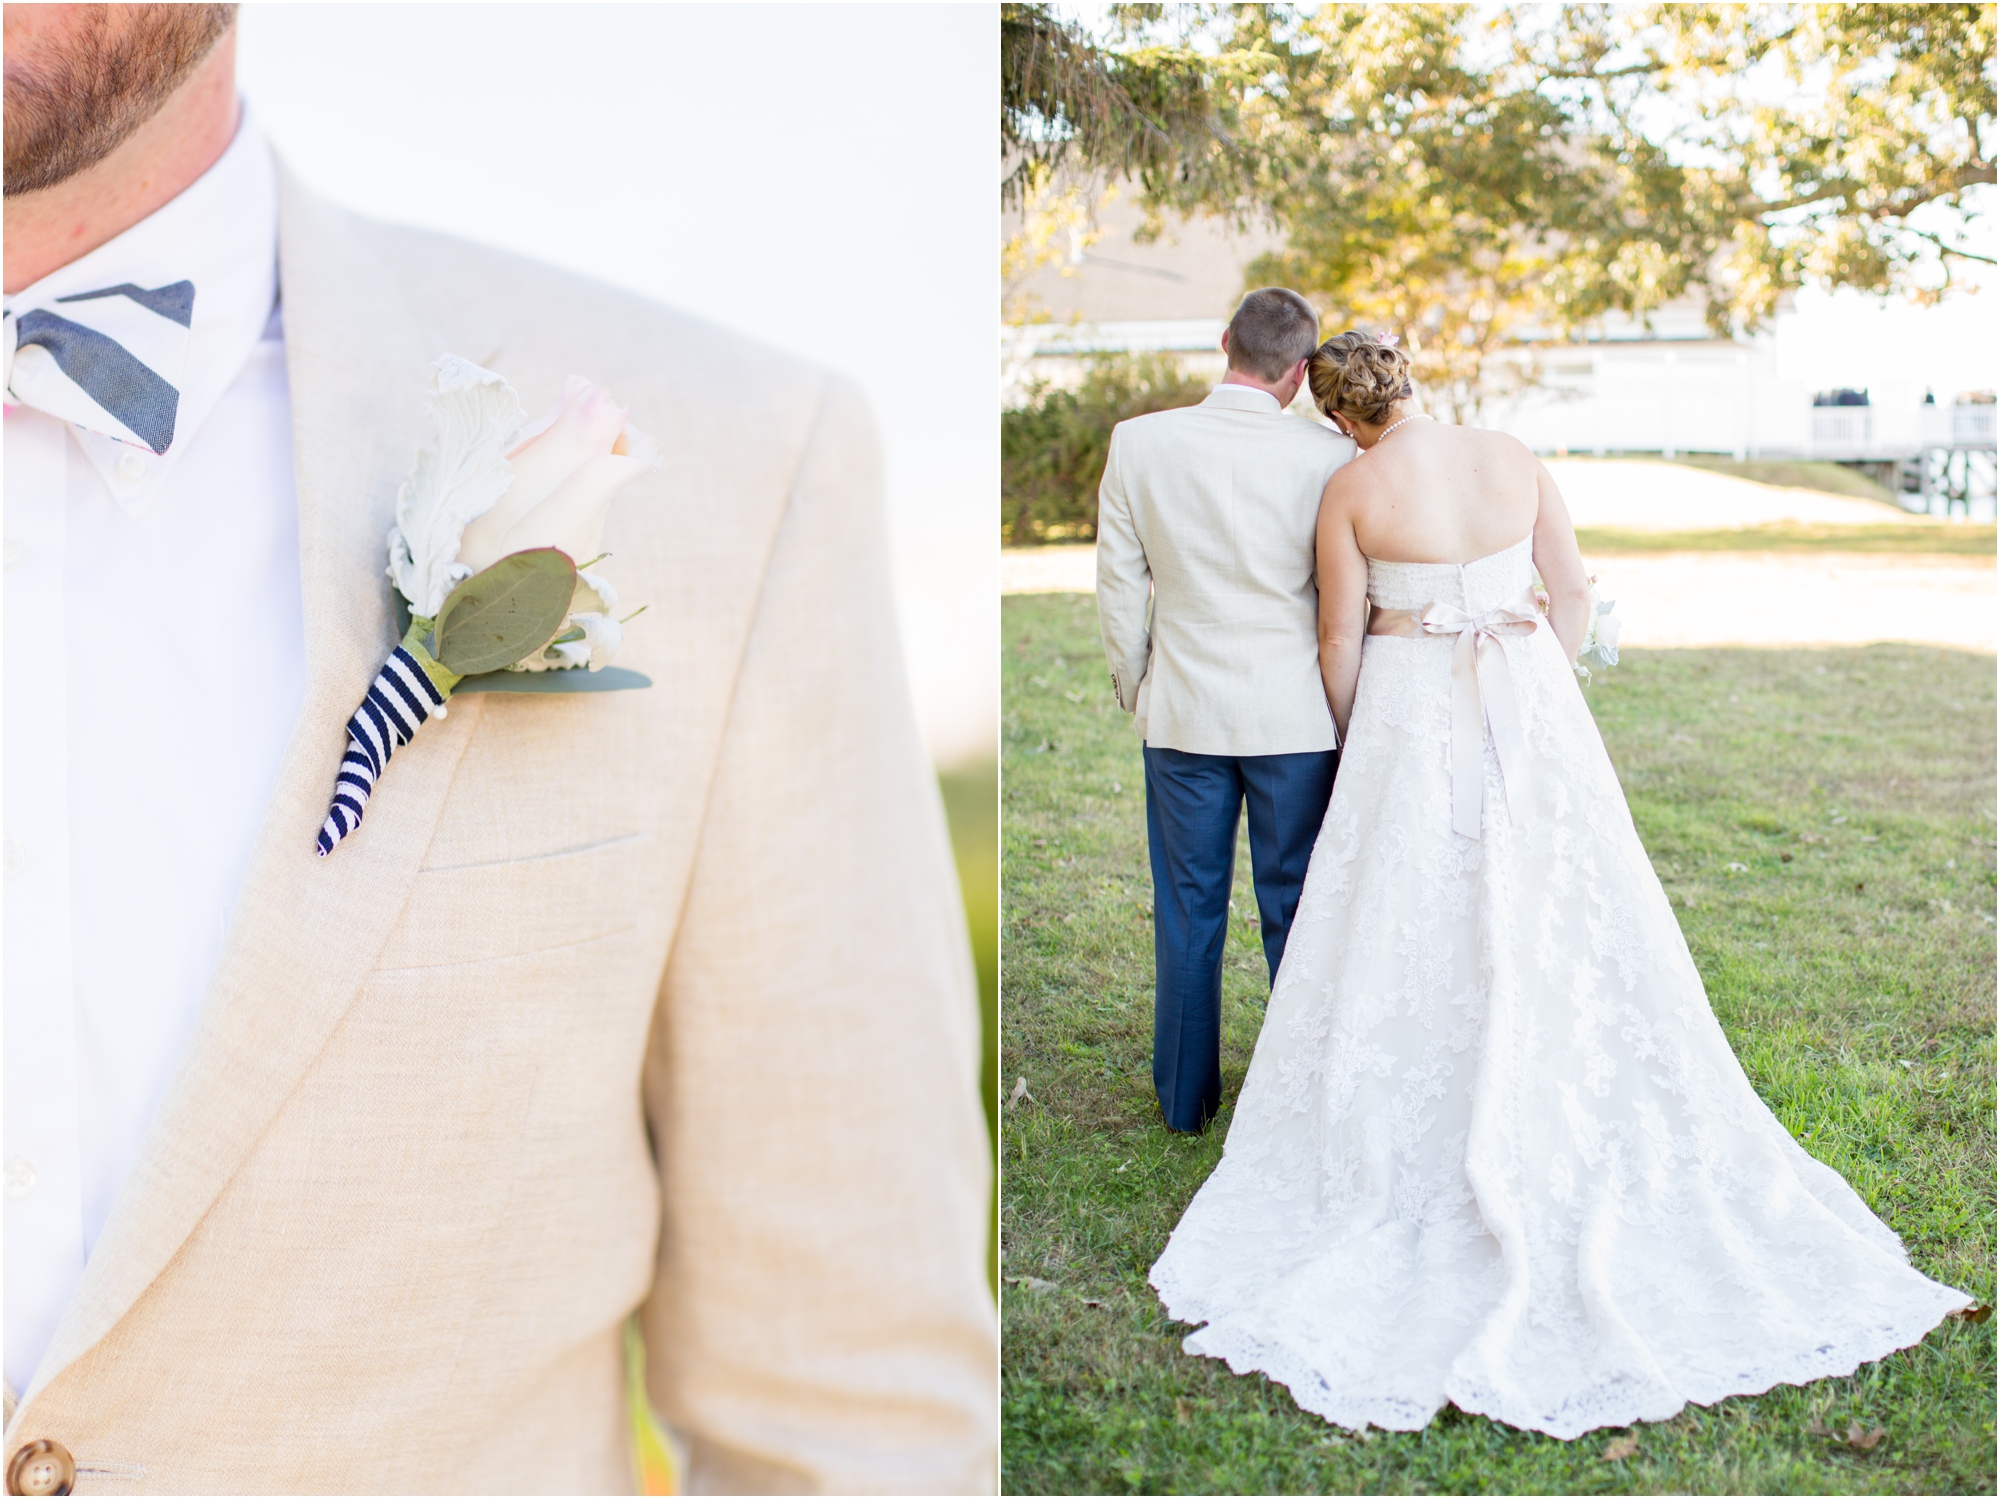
(1124, 581)
(820, 1320)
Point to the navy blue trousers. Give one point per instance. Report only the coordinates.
(1192, 803)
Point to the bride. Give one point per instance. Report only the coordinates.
(1493, 1148)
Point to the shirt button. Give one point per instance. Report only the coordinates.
(131, 467)
(20, 1177)
(42, 1467)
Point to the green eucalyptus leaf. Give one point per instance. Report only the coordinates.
(506, 613)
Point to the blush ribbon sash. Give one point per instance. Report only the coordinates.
(1482, 697)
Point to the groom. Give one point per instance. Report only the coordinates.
(1209, 511)
(344, 1175)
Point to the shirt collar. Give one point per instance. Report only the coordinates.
(1243, 398)
(221, 233)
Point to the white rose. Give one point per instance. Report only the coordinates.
(564, 473)
(487, 486)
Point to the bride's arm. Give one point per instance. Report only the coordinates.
(1560, 563)
(1343, 606)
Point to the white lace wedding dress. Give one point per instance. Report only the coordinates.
(1493, 1148)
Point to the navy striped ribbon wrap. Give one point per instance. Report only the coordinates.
(402, 698)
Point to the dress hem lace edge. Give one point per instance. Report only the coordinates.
(1245, 1353)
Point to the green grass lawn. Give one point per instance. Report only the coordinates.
(1851, 960)
(1934, 538)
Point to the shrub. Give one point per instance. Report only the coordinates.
(1052, 448)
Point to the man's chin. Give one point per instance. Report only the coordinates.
(72, 98)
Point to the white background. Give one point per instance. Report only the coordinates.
(1850, 338)
(820, 177)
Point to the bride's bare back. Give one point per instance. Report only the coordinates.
(1432, 493)
(1428, 492)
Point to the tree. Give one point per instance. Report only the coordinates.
(1477, 180)
(1787, 145)
(1419, 190)
(1058, 219)
(1147, 111)
(1078, 117)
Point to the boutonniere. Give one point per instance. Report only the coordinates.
(484, 557)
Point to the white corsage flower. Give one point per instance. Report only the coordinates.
(1600, 630)
(496, 531)
(487, 487)
(1600, 636)
(591, 635)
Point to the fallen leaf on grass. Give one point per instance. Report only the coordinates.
(1183, 1412)
(1974, 1314)
(1621, 1448)
(1020, 1093)
(1862, 1440)
(1121, 1168)
(1093, 1301)
(1817, 1428)
(1735, 868)
(1784, 858)
(1032, 1283)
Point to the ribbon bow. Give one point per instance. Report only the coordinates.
(1482, 698)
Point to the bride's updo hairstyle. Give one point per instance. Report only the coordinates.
(1359, 377)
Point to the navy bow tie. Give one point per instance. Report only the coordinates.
(110, 361)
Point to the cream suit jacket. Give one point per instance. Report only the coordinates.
(655, 1000)
(1211, 509)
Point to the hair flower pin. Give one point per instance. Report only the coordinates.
(1387, 340)
(483, 557)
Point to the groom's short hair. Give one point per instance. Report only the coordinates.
(1274, 328)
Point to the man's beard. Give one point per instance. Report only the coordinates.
(67, 112)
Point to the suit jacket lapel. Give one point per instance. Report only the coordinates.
(306, 930)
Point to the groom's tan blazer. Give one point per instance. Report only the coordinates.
(1207, 588)
(654, 1000)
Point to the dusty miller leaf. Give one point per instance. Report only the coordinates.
(459, 474)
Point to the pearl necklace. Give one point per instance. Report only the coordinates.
(1388, 429)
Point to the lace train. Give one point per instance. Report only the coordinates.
(1493, 1147)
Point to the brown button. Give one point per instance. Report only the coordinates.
(42, 1467)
